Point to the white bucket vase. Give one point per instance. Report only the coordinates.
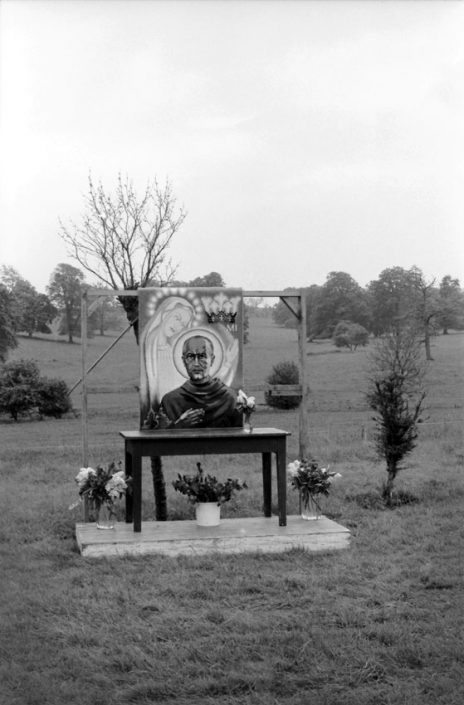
(208, 513)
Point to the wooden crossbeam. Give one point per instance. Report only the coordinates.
(285, 390)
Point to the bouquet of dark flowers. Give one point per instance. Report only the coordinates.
(104, 485)
(310, 479)
(206, 488)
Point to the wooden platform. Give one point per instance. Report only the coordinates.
(247, 535)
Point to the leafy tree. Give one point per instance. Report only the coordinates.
(53, 397)
(41, 315)
(405, 298)
(392, 299)
(124, 241)
(396, 394)
(24, 295)
(32, 311)
(107, 314)
(350, 335)
(451, 304)
(18, 387)
(211, 279)
(284, 317)
(339, 299)
(9, 277)
(65, 290)
(7, 324)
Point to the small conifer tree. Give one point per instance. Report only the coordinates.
(396, 394)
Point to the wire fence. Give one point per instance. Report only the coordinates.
(366, 432)
(330, 433)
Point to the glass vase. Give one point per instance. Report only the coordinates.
(106, 516)
(247, 427)
(310, 509)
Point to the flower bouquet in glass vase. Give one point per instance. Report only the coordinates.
(312, 482)
(102, 487)
(246, 405)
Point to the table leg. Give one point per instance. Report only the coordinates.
(282, 483)
(129, 498)
(137, 489)
(267, 484)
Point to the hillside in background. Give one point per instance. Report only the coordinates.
(336, 377)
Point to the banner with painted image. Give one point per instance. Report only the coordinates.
(190, 357)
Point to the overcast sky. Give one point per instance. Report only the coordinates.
(302, 137)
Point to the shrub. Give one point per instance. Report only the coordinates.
(22, 390)
(18, 387)
(53, 398)
(350, 335)
(283, 373)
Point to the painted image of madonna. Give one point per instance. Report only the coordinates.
(191, 357)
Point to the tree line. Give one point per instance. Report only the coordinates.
(396, 298)
(23, 310)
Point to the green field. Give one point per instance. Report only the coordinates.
(381, 623)
(337, 407)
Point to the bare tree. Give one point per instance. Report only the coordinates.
(396, 394)
(427, 307)
(123, 240)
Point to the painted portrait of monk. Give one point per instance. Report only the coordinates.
(190, 357)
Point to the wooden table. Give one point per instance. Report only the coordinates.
(139, 444)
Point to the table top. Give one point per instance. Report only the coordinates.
(204, 433)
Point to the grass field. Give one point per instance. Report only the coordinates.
(379, 623)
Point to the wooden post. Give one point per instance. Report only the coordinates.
(304, 424)
(85, 438)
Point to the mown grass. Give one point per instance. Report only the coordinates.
(380, 623)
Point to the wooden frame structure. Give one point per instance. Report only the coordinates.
(295, 302)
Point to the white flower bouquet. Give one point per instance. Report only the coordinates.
(104, 485)
(245, 404)
(310, 480)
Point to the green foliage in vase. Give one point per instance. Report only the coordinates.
(207, 488)
(310, 479)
